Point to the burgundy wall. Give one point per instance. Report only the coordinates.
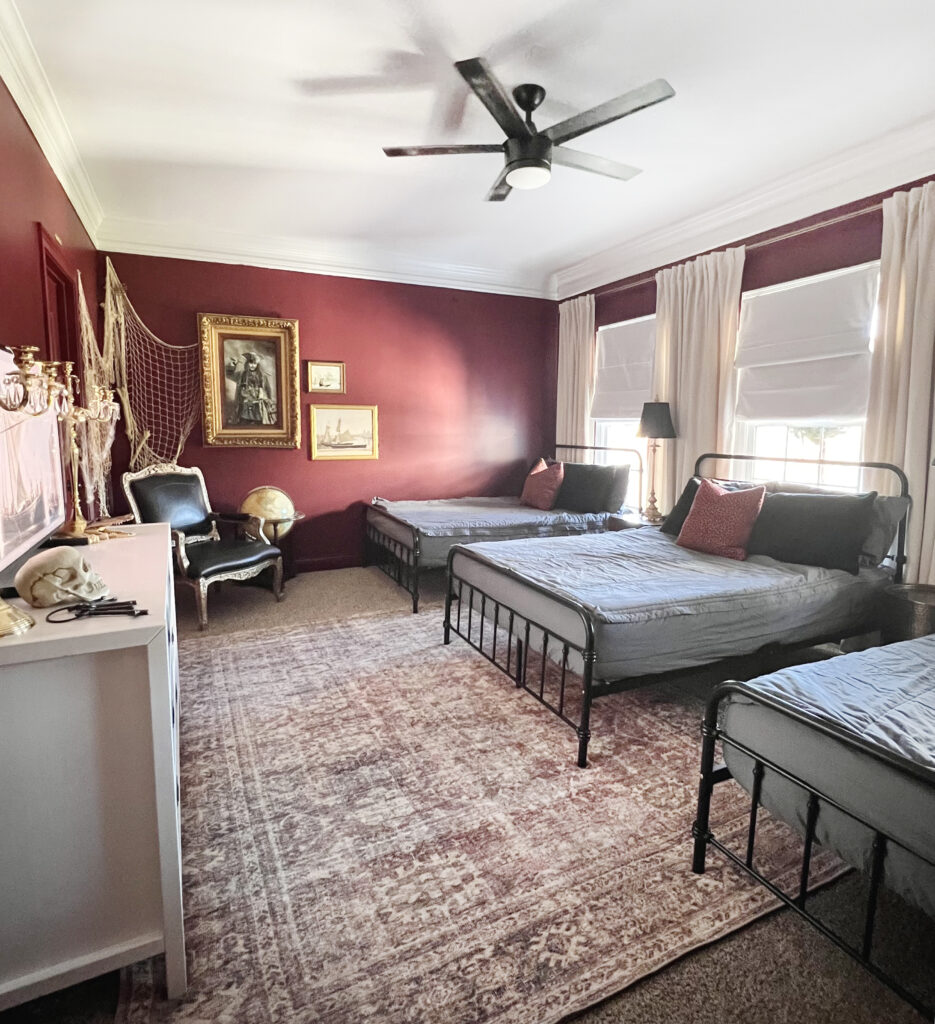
(465, 384)
(831, 247)
(31, 194)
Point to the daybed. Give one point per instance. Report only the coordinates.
(405, 537)
(594, 615)
(844, 750)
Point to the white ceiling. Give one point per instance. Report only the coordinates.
(250, 131)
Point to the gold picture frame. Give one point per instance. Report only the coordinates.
(343, 432)
(250, 381)
(326, 377)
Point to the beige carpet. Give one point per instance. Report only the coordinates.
(379, 828)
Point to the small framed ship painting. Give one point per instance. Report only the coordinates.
(325, 377)
(343, 431)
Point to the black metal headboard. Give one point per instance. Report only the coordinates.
(886, 467)
(604, 448)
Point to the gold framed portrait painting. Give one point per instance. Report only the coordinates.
(343, 431)
(324, 376)
(250, 381)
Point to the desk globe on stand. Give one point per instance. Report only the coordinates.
(277, 508)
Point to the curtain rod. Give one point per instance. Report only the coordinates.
(612, 288)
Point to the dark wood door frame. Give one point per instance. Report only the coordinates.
(59, 301)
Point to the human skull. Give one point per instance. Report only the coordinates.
(57, 575)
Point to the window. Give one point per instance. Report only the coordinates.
(842, 442)
(623, 382)
(802, 374)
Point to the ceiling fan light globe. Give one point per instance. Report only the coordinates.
(528, 175)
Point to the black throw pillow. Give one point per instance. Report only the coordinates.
(675, 520)
(585, 488)
(618, 489)
(827, 530)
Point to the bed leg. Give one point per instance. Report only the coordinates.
(705, 787)
(584, 727)
(447, 608)
(584, 735)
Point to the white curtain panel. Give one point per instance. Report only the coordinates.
(697, 314)
(901, 410)
(576, 349)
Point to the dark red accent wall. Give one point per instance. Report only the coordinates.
(465, 385)
(844, 243)
(30, 194)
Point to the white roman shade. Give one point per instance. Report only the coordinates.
(624, 377)
(803, 352)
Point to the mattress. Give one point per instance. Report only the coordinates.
(444, 522)
(656, 607)
(885, 696)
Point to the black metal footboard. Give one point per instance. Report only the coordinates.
(712, 774)
(531, 651)
(541, 657)
(397, 558)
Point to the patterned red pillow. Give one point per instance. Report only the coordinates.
(720, 521)
(542, 485)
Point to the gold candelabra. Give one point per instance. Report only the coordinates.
(36, 386)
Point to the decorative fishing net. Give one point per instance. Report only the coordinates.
(95, 438)
(158, 383)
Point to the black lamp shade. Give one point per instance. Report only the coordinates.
(656, 421)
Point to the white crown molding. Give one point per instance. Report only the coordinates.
(152, 238)
(886, 162)
(24, 76)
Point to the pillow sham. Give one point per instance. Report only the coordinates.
(618, 489)
(542, 485)
(585, 488)
(827, 530)
(675, 520)
(720, 520)
(888, 512)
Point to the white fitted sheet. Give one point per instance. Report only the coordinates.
(657, 607)
(886, 696)
(444, 522)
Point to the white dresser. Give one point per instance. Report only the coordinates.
(90, 851)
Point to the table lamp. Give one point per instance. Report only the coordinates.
(656, 424)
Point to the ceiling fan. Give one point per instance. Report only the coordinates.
(530, 153)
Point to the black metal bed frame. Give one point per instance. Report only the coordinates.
(402, 562)
(712, 774)
(519, 628)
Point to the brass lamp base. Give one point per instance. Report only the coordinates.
(651, 513)
(13, 621)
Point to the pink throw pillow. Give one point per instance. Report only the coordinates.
(542, 485)
(720, 521)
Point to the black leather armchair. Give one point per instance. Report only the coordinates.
(166, 493)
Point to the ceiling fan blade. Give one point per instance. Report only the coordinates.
(595, 164)
(439, 150)
(612, 110)
(495, 98)
(499, 190)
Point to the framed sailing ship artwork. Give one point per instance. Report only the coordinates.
(250, 381)
(343, 431)
(325, 377)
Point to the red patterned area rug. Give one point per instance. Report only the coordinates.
(380, 828)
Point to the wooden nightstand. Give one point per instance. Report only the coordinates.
(908, 611)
